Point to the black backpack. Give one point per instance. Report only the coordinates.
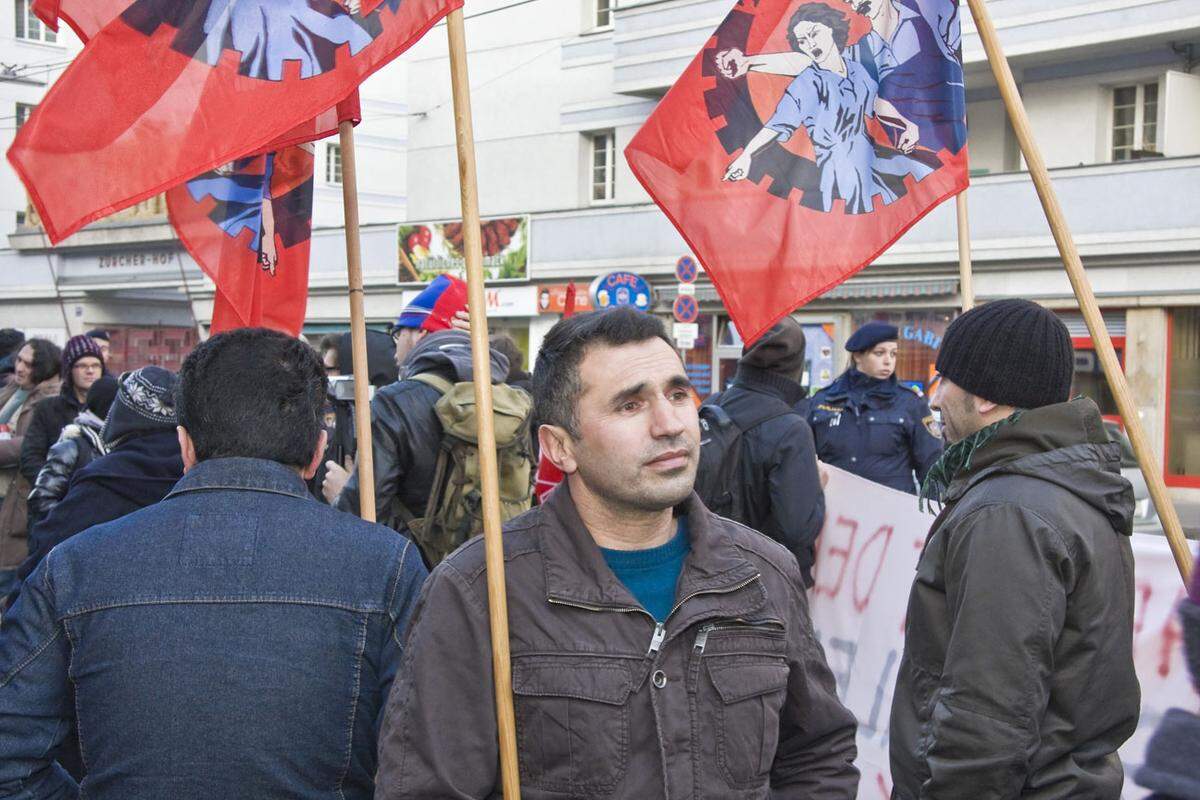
(719, 477)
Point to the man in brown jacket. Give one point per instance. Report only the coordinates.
(658, 651)
(35, 378)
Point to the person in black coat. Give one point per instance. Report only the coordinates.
(142, 465)
(868, 423)
(80, 443)
(82, 365)
(778, 479)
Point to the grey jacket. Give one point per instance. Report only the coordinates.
(1017, 678)
(730, 699)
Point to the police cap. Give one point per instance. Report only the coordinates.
(870, 335)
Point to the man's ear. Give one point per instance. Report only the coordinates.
(985, 407)
(317, 457)
(558, 446)
(187, 448)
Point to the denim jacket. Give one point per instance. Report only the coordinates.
(236, 640)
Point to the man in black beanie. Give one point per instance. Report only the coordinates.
(758, 463)
(1017, 678)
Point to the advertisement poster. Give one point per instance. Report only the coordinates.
(432, 248)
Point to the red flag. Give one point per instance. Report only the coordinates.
(172, 88)
(249, 226)
(805, 139)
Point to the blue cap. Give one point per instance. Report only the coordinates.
(870, 335)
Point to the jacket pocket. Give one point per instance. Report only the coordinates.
(885, 432)
(572, 723)
(749, 699)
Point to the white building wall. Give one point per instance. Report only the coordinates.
(27, 69)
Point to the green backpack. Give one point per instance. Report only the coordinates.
(454, 513)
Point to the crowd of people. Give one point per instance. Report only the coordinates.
(195, 610)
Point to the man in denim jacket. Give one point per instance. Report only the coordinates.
(237, 639)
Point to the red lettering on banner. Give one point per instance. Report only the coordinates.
(884, 790)
(1171, 635)
(840, 552)
(886, 531)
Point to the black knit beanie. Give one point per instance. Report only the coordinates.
(1011, 352)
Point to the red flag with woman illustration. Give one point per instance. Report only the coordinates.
(803, 140)
(172, 88)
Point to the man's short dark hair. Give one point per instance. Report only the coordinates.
(822, 14)
(505, 344)
(47, 359)
(10, 340)
(252, 393)
(556, 384)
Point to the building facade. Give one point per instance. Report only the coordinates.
(560, 87)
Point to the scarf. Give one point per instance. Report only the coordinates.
(15, 402)
(956, 460)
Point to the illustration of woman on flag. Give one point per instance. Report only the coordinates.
(268, 195)
(914, 56)
(832, 99)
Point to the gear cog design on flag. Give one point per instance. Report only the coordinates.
(730, 105)
(266, 34)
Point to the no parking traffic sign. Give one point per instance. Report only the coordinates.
(686, 309)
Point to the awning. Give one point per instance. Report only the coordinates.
(892, 290)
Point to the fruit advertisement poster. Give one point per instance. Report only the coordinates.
(432, 248)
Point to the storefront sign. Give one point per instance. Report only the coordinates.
(552, 299)
(621, 289)
(436, 247)
(150, 258)
(511, 301)
(865, 563)
(925, 336)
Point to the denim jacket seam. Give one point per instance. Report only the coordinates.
(152, 601)
(78, 718)
(33, 656)
(358, 668)
(213, 487)
(390, 606)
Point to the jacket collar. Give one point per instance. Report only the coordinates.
(760, 380)
(1075, 426)
(577, 574)
(246, 474)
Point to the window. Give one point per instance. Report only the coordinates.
(29, 27)
(333, 163)
(604, 13)
(604, 166)
(20, 219)
(1183, 398)
(1135, 122)
(23, 112)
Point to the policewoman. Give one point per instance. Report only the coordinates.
(868, 423)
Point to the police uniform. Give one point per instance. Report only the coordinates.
(880, 430)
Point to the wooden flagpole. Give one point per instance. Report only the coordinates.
(966, 281)
(1083, 289)
(364, 456)
(488, 465)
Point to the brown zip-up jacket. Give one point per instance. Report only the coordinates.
(730, 698)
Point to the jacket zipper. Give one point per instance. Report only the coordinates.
(703, 633)
(660, 628)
